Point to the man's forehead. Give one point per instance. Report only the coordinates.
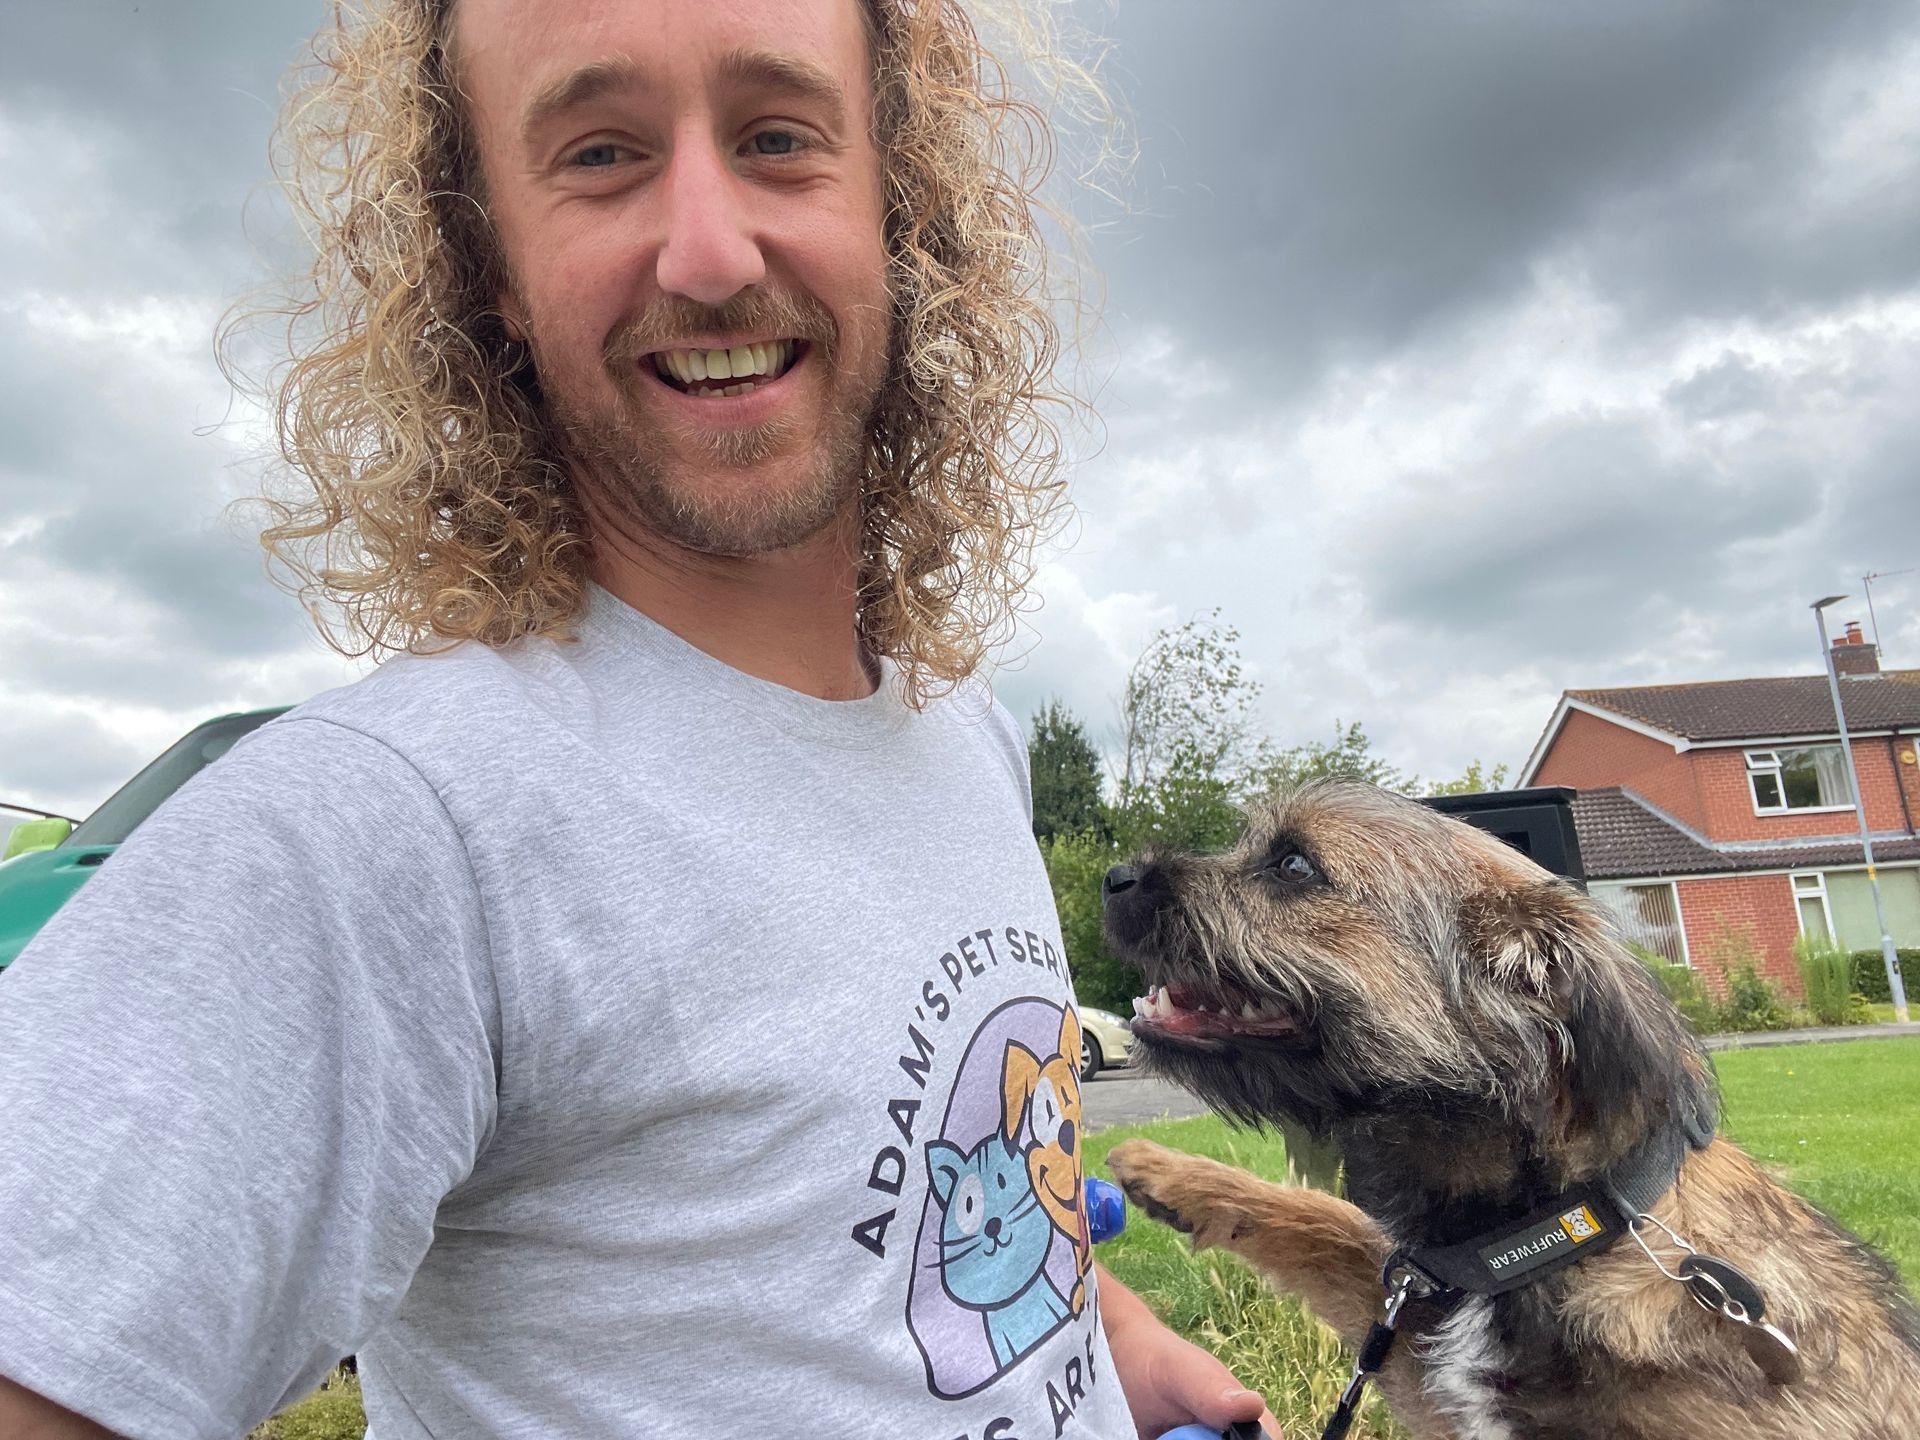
(521, 48)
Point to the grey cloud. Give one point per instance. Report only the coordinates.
(1325, 182)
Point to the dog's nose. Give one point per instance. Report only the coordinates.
(1120, 877)
(993, 1227)
(1066, 1136)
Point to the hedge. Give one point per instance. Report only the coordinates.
(1870, 974)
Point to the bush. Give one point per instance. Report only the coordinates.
(1075, 867)
(1752, 1003)
(1682, 987)
(1870, 973)
(1826, 978)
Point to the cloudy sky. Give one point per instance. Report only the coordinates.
(1460, 353)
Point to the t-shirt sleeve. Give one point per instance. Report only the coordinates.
(238, 1073)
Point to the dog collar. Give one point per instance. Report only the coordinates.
(1571, 1226)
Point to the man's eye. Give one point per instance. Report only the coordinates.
(595, 157)
(775, 142)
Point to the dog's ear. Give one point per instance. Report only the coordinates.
(1526, 936)
(1019, 1073)
(1628, 1050)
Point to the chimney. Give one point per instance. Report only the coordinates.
(1853, 655)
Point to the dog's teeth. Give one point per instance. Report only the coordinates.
(1246, 1011)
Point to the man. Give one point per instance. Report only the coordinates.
(607, 1025)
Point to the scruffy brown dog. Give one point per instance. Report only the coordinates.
(1507, 1087)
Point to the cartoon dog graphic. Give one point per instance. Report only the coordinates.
(1040, 1103)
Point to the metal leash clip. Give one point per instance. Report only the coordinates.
(1373, 1354)
(1722, 1288)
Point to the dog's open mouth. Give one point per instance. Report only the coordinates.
(1188, 1013)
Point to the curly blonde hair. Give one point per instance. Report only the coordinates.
(430, 503)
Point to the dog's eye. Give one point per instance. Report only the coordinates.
(1295, 867)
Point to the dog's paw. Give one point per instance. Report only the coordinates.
(1151, 1175)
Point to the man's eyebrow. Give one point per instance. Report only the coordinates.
(764, 69)
(580, 87)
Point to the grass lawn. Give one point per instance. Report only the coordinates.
(1840, 1124)
(1836, 1122)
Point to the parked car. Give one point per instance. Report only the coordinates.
(50, 860)
(1105, 1039)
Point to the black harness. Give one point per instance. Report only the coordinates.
(1571, 1226)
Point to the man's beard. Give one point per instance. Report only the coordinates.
(640, 478)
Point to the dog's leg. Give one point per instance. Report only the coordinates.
(1306, 1243)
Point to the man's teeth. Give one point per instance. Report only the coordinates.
(690, 367)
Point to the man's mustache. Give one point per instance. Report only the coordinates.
(669, 322)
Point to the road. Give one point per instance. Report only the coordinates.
(1124, 1097)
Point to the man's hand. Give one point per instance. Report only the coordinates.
(25, 1415)
(1168, 1381)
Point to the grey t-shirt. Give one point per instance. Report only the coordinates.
(599, 1041)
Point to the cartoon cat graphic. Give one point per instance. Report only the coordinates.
(1041, 1104)
(994, 1239)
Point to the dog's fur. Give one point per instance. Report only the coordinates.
(1468, 1031)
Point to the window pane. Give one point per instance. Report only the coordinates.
(1766, 791)
(1830, 764)
(1800, 779)
(1644, 916)
(1813, 919)
(1808, 883)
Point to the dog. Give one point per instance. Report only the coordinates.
(1512, 1095)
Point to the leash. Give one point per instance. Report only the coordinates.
(1567, 1229)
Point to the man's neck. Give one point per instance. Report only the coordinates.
(787, 617)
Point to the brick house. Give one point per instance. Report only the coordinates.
(1712, 809)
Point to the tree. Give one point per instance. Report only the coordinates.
(1076, 864)
(1066, 776)
(1188, 739)
(1349, 757)
(1476, 780)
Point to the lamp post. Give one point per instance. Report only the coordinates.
(1887, 952)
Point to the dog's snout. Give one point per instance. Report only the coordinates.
(1131, 894)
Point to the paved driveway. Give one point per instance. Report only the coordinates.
(1123, 1097)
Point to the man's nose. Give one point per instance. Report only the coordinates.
(710, 251)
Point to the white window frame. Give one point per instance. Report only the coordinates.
(1673, 894)
(1767, 762)
(1817, 890)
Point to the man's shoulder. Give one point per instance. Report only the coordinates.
(458, 703)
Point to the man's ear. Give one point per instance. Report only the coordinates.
(513, 315)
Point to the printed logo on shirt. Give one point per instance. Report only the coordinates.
(1003, 1250)
(999, 1262)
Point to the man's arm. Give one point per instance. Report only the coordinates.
(25, 1415)
(1168, 1381)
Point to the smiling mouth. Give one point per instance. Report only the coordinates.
(740, 370)
(1184, 1012)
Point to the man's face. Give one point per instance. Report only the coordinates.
(675, 179)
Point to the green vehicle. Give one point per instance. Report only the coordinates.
(50, 858)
